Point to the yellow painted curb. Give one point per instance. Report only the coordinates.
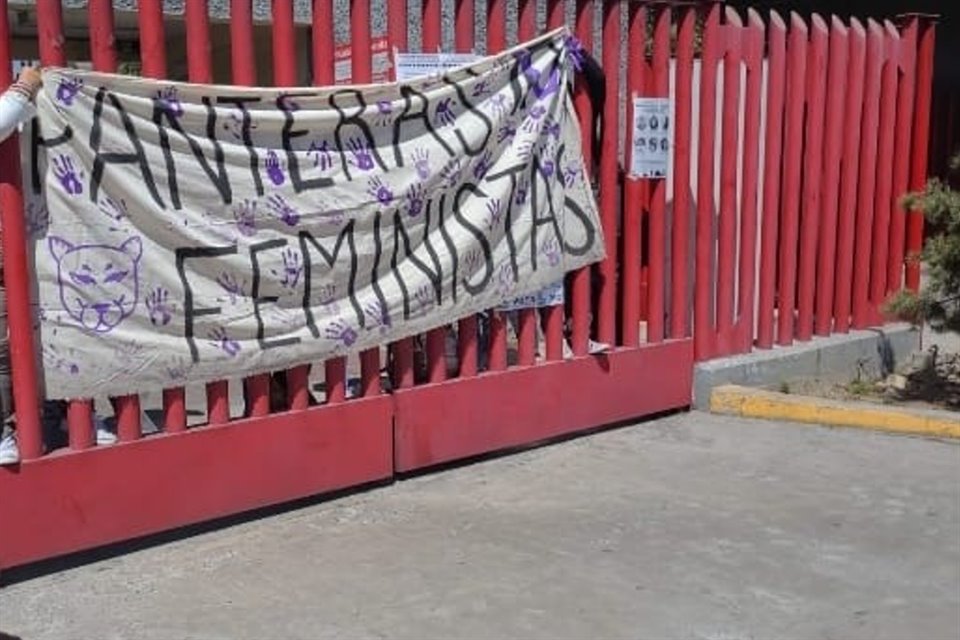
(757, 403)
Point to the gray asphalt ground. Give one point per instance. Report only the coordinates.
(692, 526)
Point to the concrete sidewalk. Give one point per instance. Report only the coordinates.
(694, 526)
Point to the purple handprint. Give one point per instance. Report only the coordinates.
(378, 316)
(342, 333)
(380, 191)
(551, 128)
(274, 170)
(292, 269)
(52, 358)
(574, 53)
(505, 280)
(328, 298)
(415, 200)
(234, 288)
(362, 158)
(333, 218)
(425, 299)
(235, 124)
(507, 132)
(218, 338)
(320, 152)
(532, 122)
(499, 104)
(483, 165)
(421, 162)
(472, 262)
(38, 219)
(451, 173)
(283, 210)
(481, 89)
(67, 90)
(444, 114)
(246, 216)
(384, 115)
(550, 249)
(67, 174)
(548, 168)
(116, 210)
(522, 190)
(494, 214)
(178, 368)
(158, 304)
(170, 102)
(570, 174)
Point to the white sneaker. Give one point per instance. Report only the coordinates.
(104, 435)
(9, 451)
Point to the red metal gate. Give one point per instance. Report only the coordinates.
(780, 220)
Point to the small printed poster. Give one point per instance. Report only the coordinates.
(379, 62)
(549, 296)
(652, 137)
(415, 65)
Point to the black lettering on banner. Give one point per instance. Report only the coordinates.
(219, 179)
(435, 275)
(259, 299)
(36, 141)
(346, 234)
(451, 249)
(421, 115)
(468, 188)
(375, 275)
(189, 312)
(512, 173)
(471, 108)
(240, 102)
(590, 232)
(537, 175)
(101, 160)
(366, 145)
(287, 135)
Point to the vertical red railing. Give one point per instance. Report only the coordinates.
(906, 90)
(609, 167)
(753, 56)
(727, 222)
(921, 135)
(772, 164)
(658, 195)
(850, 172)
(812, 167)
(793, 154)
(632, 206)
(497, 42)
(527, 318)
(16, 268)
(553, 316)
(703, 325)
(463, 26)
(432, 25)
(837, 89)
(680, 247)
(868, 176)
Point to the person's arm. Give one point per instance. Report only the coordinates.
(16, 103)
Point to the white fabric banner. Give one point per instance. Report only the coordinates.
(189, 233)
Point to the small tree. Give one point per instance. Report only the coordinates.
(938, 303)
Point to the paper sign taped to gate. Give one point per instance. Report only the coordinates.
(188, 233)
(652, 137)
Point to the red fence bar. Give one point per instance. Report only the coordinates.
(17, 284)
(773, 144)
(921, 136)
(632, 207)
(680, 248)
(497, 42)
(868, 176)
(812, 167)
(703, 326)
(463, 36)
(432, 25)
(753, 56)
(793, 153)
(837, 89)
(527, 318)
(727, 232)
(906, 91)
(555, 14)
(658, 197)
(153, 44)
(850, 171)
(884, 191)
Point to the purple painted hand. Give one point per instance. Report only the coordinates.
(451, 173)
(522, 189)
(170, 102)
(425, 300)
(548, 168)
(472, 262)
(218, 338)
(378, 317)
(274, 169)
(234, 288)
(333, 218)
(574, 53)
(320, 152)
(534, 118)
(499, 104)
(68, 175)
(421, 162)
(551, 128)
(341, 333)
(379, 190)
(67, 90)
(246, 216)
(384, 117)
(362, 158)
(283, 210)
(178, 368)
(444, 114)
(571, 173)
(483, 165)
(494, 214)
(550, 249)
(328, 298)
(116, 210)
(480, 89)
(38, 219)
(507, 132)
(415, 200)
(292, 269)
(159, 306)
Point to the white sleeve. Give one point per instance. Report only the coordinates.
(15, 109)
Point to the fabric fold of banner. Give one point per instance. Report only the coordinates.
(187, 233)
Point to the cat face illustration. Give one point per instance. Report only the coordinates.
(99, 284)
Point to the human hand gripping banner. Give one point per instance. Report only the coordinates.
(187, 233)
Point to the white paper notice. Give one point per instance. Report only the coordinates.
(415, 65)
(652, 137)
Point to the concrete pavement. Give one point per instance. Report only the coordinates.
(693, 526)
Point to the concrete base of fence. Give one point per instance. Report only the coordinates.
(874, 352)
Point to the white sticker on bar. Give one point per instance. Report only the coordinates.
(652, 137)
